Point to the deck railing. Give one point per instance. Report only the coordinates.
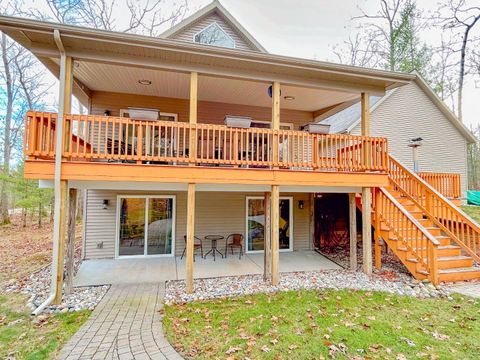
(89, 138)
(418, 242)
(446, 183)
(449, 218)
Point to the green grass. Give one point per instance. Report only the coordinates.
(472, 211)
(312, 324)
(32, 339)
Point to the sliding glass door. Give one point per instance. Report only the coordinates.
(255, 224)
(146, 225)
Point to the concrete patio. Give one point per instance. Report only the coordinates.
(160, 269)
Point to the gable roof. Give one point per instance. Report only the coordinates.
(344, 120)
(214, 7)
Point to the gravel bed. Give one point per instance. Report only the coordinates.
(224, 287)
(37, 287)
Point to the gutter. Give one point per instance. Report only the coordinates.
(57, 178)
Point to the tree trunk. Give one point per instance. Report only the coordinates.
(52, 208)
(4, 216)
(40, 208)
(70, 250)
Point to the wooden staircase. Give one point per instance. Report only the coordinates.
(452, 263)
(433, 238)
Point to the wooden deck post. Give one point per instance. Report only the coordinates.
(70, 253)
(62, 215)
(367, 230)
(61, 186)
(67, 102)
(365, 126)
(274, 231)
(378, 245)
(267, 253)
(190, 236)
(352, 206)
(192, 150)
(275, 121)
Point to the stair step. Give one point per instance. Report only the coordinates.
(459, 274)
(443, 250)
(443, 239)
(454, 262)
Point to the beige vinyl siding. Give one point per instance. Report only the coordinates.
(189, 32)
(208, 112)
(220, 213)
(409, 113)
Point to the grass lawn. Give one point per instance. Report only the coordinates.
(24, 337)
(472, 211)
(326, 324)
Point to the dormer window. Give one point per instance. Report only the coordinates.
(214, 35)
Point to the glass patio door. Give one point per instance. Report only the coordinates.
(146, 226)
(255, 224)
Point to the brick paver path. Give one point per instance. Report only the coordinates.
(126, 325)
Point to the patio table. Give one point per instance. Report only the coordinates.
(213, 250)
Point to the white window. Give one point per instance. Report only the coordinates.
(214, 35)
(145, 225)
(255, 224)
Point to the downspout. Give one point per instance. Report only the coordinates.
(57, 178)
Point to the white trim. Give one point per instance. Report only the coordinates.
(226, 34)
(208, 10)
(290, 245)
(372, 109)
(117, 226)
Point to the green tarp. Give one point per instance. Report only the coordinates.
(473, 197)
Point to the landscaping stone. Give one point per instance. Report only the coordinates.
(37, 285)
(325, 279)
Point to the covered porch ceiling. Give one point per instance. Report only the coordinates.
(174, 84)
(110, 60)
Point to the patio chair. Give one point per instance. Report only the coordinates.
(234, 241)
(197, 244)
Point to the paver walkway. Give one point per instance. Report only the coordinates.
(469, 288)
(126, 324)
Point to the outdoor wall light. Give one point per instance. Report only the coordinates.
(105, 204)
(301, 204)
(106, 113)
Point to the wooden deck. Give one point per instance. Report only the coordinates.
(123, 149)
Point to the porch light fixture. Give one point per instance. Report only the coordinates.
(105, 204)
(301, 204)
(289, 97)
(144, 82)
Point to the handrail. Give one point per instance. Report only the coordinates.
(464, 231)
(417, 240)
(448, 184)
(90, 137)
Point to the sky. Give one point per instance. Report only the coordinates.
(309, 29)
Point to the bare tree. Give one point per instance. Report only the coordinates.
(387, 38)
(7, 78)
(357, 51)
(147, 17)
(461, 17)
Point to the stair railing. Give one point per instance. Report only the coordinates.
(420, 244)
(464, 231)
